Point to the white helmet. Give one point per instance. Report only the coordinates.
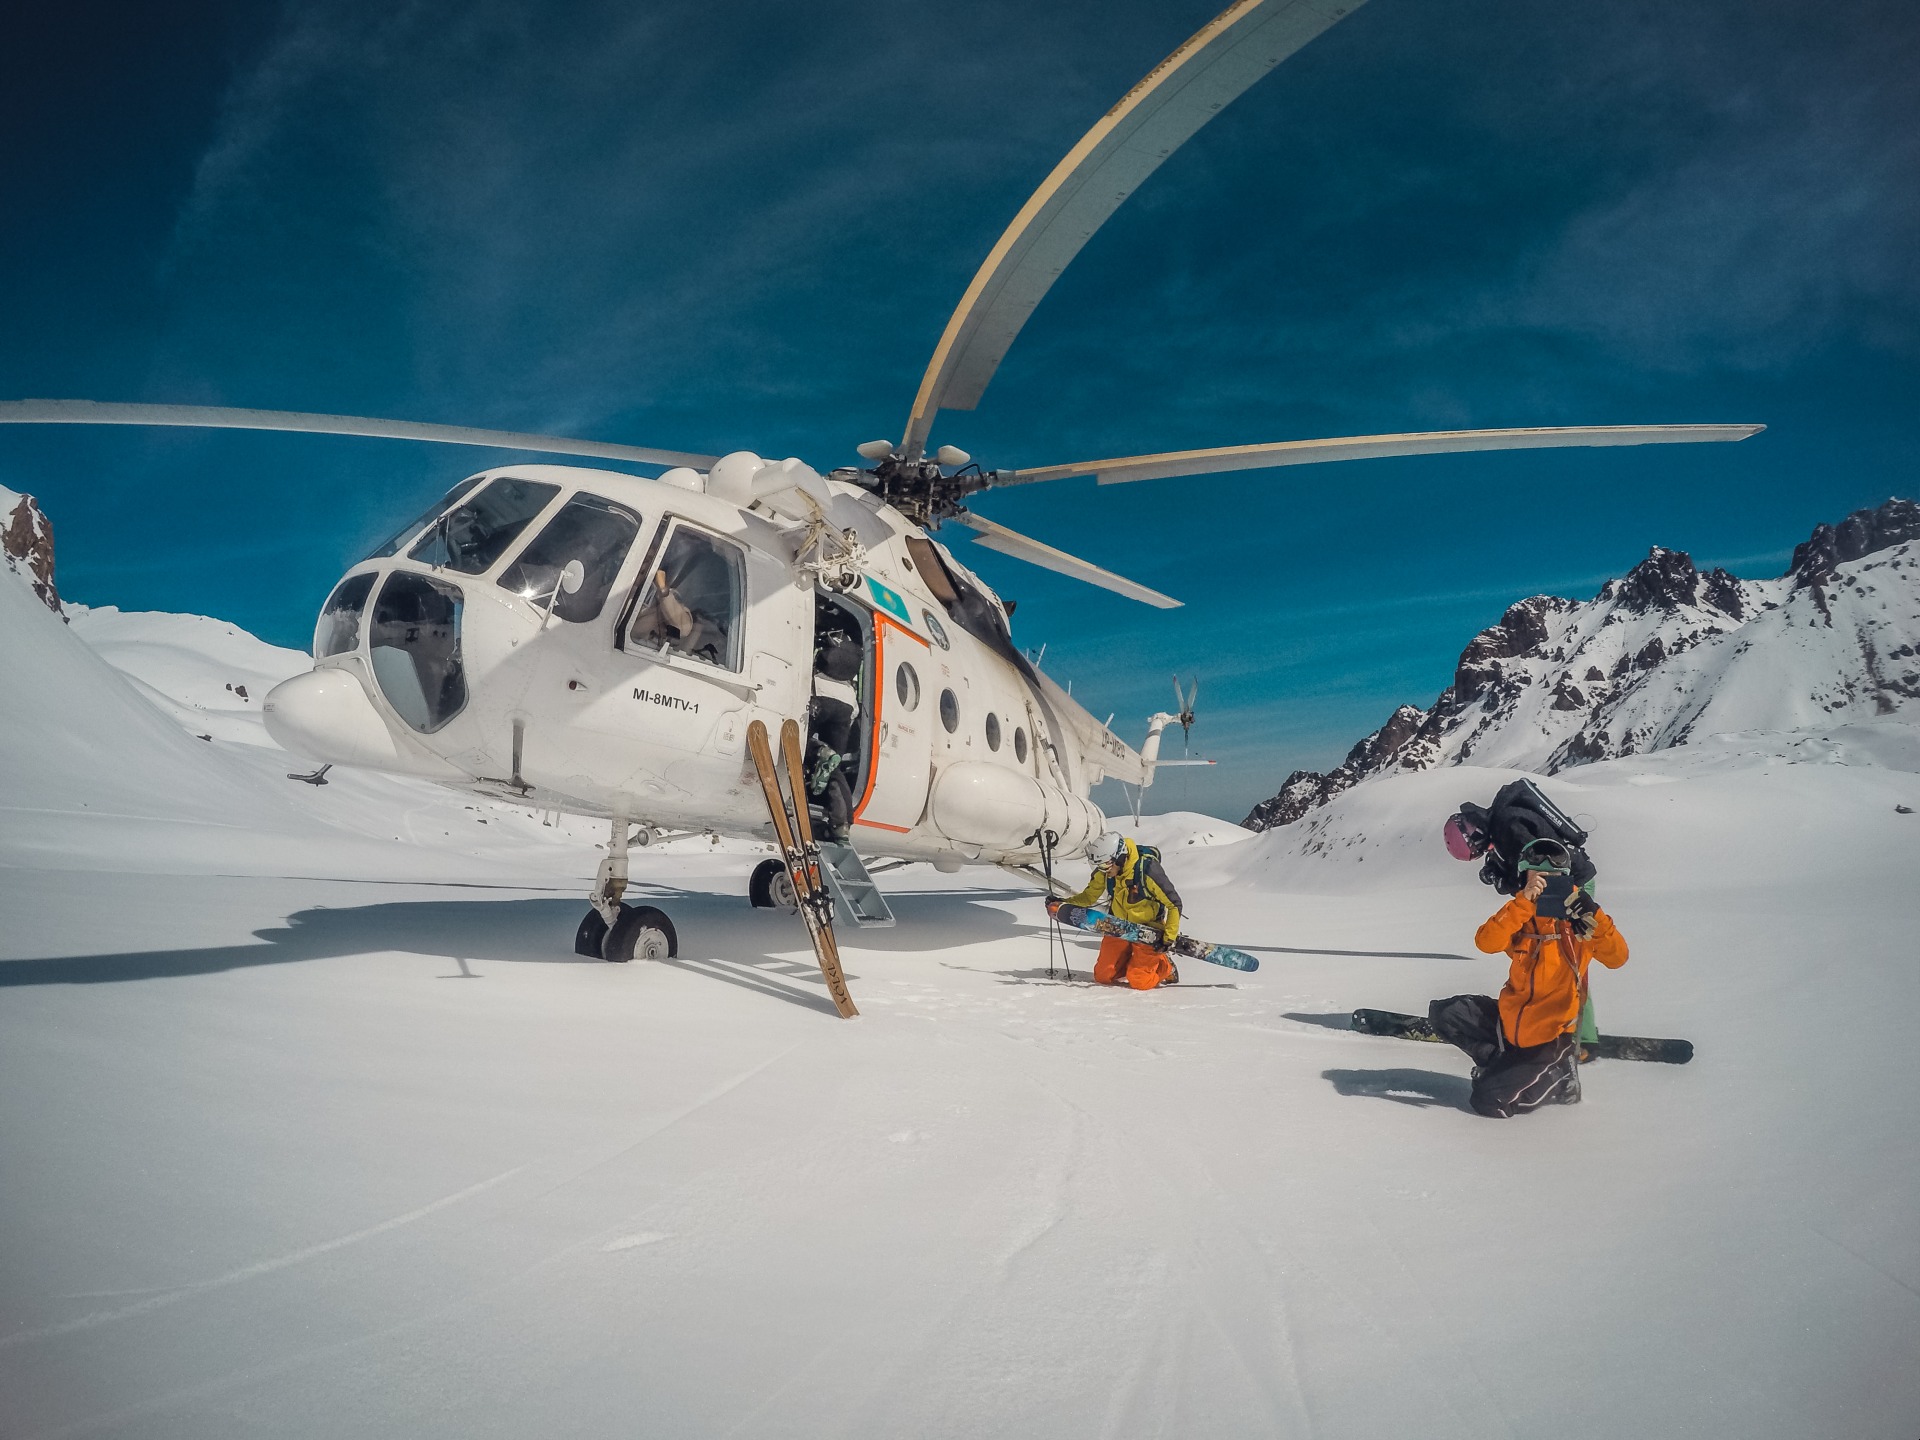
(1110, 846)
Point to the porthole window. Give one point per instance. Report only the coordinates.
(1020, 744)
(993, 732)
(936, 629)
(949, 710)
(906, 684)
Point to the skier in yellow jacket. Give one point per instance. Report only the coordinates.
(1130, 884)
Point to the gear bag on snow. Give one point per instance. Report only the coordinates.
(1521, 812)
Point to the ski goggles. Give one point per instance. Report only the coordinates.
(1548, 855)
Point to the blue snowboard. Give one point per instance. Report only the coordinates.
(1099, 922)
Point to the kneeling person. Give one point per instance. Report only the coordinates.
(1523, 1045)
(1130, 884)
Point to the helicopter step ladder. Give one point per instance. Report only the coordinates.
(860, 899)
(793, 831)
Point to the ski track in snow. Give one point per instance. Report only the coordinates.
(254, 1271)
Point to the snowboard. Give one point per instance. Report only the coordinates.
(1099, 922)
(1607, 1047)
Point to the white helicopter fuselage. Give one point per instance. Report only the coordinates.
(473, 665)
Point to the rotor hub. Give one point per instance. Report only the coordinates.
(921, 489)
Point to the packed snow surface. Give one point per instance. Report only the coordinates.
(315, 1126)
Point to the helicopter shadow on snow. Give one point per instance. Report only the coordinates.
(721, 939)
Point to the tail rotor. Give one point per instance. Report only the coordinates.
(1183, 703)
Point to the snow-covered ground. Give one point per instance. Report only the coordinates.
(315, 1126)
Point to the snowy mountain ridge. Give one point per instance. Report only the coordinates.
(1663, 655)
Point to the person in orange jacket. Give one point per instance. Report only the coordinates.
(1129, 881)
(1523, 1045)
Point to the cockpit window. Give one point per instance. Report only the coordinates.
(339, 629)
(597, 533)
(432, 512)
(693, 600)
(415, 639)
(475, 533)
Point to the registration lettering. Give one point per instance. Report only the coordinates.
(671, 702)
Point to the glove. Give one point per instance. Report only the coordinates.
(1583, 915)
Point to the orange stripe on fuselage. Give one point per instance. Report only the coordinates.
(881, 624)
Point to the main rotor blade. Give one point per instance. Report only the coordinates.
(1012, 542)
(215, 417)
(1152, 120)
(1369, 447)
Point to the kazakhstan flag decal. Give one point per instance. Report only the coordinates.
(889, 601)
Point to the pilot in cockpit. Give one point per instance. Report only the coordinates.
(666, 621)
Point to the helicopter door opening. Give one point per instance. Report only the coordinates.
(839, 743)
(888, 772)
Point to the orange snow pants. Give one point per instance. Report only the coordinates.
(1143, 966)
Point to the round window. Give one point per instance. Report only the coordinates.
(907, 685)
(937, 630)
(949, 710)
(1020, 744)
(993, 732)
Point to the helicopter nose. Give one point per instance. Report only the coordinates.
(326, 714)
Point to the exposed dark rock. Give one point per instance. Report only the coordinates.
(1305, 790)
(1651, 654)
(1665, 580)
(1861, 533)
(1522, 629)
(1568, 696)
(28, 544)
(1722, 592)
(1593, 673)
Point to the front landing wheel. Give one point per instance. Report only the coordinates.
(772, 887)
(641, 933)
(591, 935)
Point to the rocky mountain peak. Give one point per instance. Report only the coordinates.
(26, 541)
(1660, 654)
(1523, 629)
(1861, 533)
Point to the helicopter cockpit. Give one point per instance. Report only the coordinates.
(693, 600)
(409, 621)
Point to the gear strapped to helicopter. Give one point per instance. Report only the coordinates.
(621, 646)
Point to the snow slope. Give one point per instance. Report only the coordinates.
(312, 1133)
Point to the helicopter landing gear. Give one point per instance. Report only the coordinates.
(641, 933)
(614, 930)
(771, 887)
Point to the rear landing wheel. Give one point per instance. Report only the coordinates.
(641, 933)
(772, 887)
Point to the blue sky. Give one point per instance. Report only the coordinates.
(742, 225)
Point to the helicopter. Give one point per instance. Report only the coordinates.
(622, 646)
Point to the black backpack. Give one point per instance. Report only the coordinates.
(1521, 812)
